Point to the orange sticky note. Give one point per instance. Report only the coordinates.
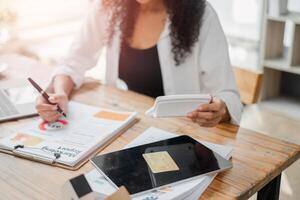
(111, 115)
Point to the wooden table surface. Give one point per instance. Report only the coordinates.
(257, 158)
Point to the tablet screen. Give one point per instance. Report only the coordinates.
(153, 165)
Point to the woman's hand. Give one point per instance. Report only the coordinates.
(49, 112)
(209, 115)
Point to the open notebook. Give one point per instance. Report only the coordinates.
(68, 142)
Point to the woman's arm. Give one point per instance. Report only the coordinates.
(217, 76)
(82, 55)
(63, 84)
(86, 46)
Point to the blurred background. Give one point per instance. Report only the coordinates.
(264, 40)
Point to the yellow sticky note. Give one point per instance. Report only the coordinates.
(160, 162)
(111, 115)
(27, 140)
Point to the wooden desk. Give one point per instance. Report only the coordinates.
(258, 160)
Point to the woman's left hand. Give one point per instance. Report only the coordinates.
(209, 115)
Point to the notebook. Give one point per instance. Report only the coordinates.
(70, 141)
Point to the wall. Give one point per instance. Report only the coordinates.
(43, 25)
(294, 5)
(240, 18)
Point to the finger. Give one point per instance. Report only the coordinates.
(214, 122)
(191, 114)
(48, 113)
(200, 121)
(47, 117)
(53, 99)
(45, 107)
(217, 116)
(209, 107)
(56, 98)
(216, 105)
(207, 115)
(53, 118)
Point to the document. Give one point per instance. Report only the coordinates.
(69, 140)
(189, 190)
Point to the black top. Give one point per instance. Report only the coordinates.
(140, 70)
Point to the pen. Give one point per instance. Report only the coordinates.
(211, 99)
(46, 96)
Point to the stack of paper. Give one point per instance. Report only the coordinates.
(70, 140)
(189, 190)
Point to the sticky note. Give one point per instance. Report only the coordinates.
(27, 140)
(160, 162)
(111, 115)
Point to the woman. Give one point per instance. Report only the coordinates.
(157, 47)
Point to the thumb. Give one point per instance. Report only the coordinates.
(53, 99)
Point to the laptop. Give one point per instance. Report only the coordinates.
(16, 103)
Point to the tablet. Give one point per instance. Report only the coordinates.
(158, 164)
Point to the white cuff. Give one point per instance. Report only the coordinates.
(65, 70)
(234, 106)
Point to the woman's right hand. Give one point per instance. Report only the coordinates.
(49, 112)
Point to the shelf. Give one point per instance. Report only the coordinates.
(292, 16)
(274, 32)
(280, 60)
(281, 64)
(295, 49)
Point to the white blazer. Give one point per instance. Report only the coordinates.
(206, 70)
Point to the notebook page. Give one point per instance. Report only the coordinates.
(86, 128)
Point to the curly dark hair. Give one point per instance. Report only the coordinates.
(185, 16)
